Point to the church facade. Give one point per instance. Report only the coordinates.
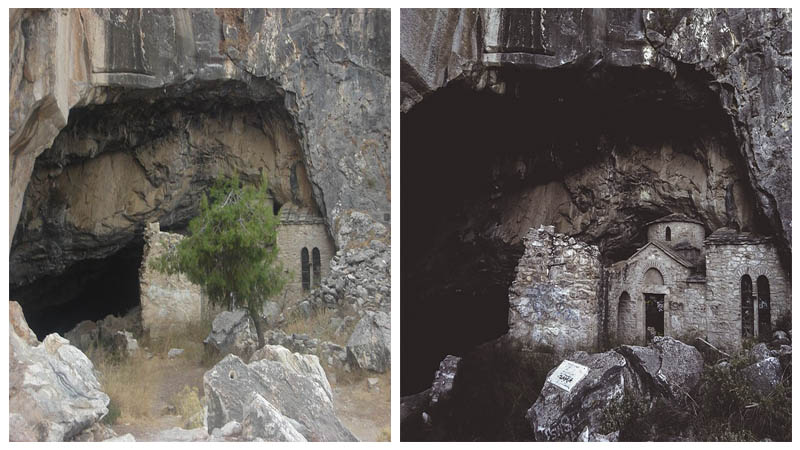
(726, 287)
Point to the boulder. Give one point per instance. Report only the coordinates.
(124, 438)
(262, 421)
(54, 393)
(303, 365)
(229, 431)
(271, 313)
(369, 345)
(780, 338)
(174, 353)
(177, 434)
(84, 335)
(759, 352)
(295, 394)
(562, 415)
(711, 354)
(443, 380)
(124, 343)
(668, 367)
(233, 332)
(764, 375)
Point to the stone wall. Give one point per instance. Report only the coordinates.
(694, 233)
(168, 301)
(292, 238)
(626, 315)
(726, 264)
(554, 305)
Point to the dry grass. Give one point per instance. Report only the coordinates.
(319, 326)
(189, 406)
(129, 382)
(385, 435)
(133, 382)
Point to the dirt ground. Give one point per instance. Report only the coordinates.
(364, 411)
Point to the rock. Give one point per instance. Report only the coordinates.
(98, 432)
(302, 365)
(372, 384)
(203, 68)
(54, 393)
(780, 338)
(229, 384)
(443, 381)
(759, 352)
(174, 353)
(124, 344)
(231, 428)
(370, 344)
(560, 415)
(668, 367)
(271, 313)
(19, 326)
(84, 335)
(262, 421)
(711, 354)
(124, 438)
(785, 356)
(169, 302)
(764, 375)
(439, 47)
(177, 434)
(233, 332)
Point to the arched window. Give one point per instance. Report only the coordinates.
(305, 269)
(764, 313)
(669, 234)
(625, 319)
(748, 323)
(316, 267)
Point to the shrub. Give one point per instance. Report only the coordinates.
(189, 406)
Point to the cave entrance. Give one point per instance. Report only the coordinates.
(91, 289)
(654, 315)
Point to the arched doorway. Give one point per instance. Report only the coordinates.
(653, 305)
(748, 322)
(669, 234)
(764, 313)
(625, 319)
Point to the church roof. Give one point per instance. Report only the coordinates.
(674, 218)
(731, 236)
(666, 250)
(291, 214)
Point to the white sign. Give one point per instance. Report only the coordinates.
(568, 374)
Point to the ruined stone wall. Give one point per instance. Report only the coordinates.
(725, 266)
(553, 302)
(168, 301)
(629, 277)
(693, 233)
(292, 238)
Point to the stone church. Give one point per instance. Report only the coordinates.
(725, 288)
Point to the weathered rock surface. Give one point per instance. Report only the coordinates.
(177, 434)
(443, 381)
(233, 332)
(185, 95)
(561, 415)
(302, 365)
(743, 55)
(169, 302)
(54, 393)
(667, 368)
(106, 332)
(554, 304)
(262, 421)
(230, 384)
(763, 375)
(370, 344)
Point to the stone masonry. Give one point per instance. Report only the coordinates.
(553, 302)
(722, 288)
(300, 228)
(168, 301)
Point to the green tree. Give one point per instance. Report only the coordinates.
(232, 249)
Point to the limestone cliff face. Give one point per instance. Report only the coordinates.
(743, 58)
(123, 117)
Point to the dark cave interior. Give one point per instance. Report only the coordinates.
(458, 149)
(89, 290)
